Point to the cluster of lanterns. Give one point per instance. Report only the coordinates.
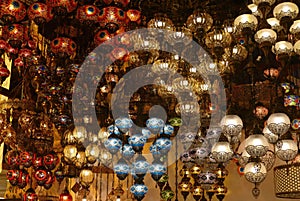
(42, 165)
(121, 140)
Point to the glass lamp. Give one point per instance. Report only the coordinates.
(278, 123)
(246, 22)
(283, 48)
(255, 172)
(295, 29)
(286, 150)
(238, 53)
(30, 195)
(70, 152)
(231, 125)
(265, 36)
(297, 47)
(272, 138)
(199, 21)
(274, 23)
(160, 21)
(254, 9)
(286, 10)
(221, 152)
(257, 145)
(86, 177)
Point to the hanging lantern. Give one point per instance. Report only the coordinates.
(155, 124)
(113, 144)
(199, 21)
(221, 152)
(62, 7)
(70, 152)
(134, 15)
(206, 179)
(137, 142)
(101, 36)
(160, 21)
(26, 158)
(86, 177)
(50, 161)
(272, 138)
(127, 151)
(286, 150)
(92, 152)
(164, 145)
(15, 34)
(23, 179)
(63, 47)
(139, 191)
(87, 14)
(255, 172)
(80, 159)
(123, 124)
(112, 18)
(140, 166)
(187, 159)
(154, 149)
(41, 176)
(30, 195)
(39, 13)
(157, 170)
(122, 169)
(257, 145)
(278, 123)
(231, 125)
(12, 11)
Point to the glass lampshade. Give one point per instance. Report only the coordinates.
(272, 138)
(297, 47)
(274, 23)
(257, 145)
(283, 47)
(70, 152)
(199, 20)
(221, 152)
(30, 195)
(295, 28)
(246, 21)
(286, 150)
(228, 26)
(265, 35)
(163, 66)
(255, 172)
(237, 53)
(231, 125)
(286, 9)
(218, 38)
(179, 34)
(278, 123)
(254, 9)
(160, 21)
(86, 177)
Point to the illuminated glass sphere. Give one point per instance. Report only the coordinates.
(278, 123)
(257, 145)
(255, 172)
